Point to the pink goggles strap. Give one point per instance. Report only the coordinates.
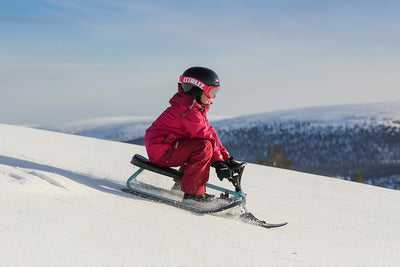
(210, 91)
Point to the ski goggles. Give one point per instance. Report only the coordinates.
(210, 91)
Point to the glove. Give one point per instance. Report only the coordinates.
(233, 165)
(222, 170)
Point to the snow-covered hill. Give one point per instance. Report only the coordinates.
(61, 205)
(109, 128)
(371, 113)
(338, 141)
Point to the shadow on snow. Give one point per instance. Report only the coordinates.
(102, 185)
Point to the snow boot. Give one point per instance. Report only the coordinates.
(203, 198)
(176, 189)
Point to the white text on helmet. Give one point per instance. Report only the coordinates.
(193, 81)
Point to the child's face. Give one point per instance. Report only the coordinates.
(205, 100)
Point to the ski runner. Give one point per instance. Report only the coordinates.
(182, 136)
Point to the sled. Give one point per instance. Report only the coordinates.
(225, 201)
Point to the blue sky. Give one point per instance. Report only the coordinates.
(67, 60)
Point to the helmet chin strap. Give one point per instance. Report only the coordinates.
(205, 105)
(198, 99)
(195, 99)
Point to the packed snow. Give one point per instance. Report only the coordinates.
(61, 205)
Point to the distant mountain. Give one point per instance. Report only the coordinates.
(109, 128)
(338, 141)
(341, 141)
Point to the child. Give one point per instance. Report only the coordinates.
(182, 136)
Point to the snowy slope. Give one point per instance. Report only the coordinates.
(60, 205)
(109, 128)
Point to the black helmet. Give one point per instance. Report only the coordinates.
(199, 77)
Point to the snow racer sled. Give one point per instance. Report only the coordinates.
(226, 200)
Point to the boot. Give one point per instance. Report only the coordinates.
(203, 198)
(176, 188)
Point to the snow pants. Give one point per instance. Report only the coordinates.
(195, 156)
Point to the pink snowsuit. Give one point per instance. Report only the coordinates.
(182, 136)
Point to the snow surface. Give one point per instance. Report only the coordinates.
(61, 205)
(109, 128)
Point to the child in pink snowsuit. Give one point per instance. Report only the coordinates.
(182, 135)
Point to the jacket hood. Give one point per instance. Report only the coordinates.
(183, 98)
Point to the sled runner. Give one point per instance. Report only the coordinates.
(224, 202)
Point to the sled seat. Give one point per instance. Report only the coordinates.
(145, 163)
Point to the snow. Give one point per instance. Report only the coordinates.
(61, 205)
(109, 128)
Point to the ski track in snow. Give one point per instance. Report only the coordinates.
(61, 205)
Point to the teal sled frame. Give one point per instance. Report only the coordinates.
(238, 197)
